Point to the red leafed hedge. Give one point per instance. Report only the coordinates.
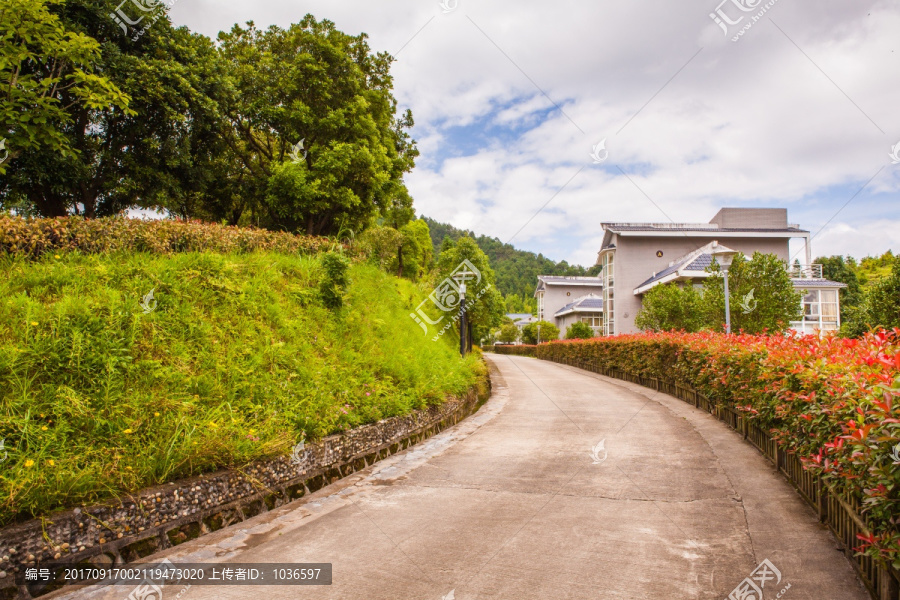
(834, 402)
(35, 237)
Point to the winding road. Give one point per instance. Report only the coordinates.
(523, 501)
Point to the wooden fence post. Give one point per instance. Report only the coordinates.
(822, 503)
(890, 590)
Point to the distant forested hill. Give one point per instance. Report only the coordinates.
(516, 270)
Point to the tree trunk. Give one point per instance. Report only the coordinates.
(400, 260)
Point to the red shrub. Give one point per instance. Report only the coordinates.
(832, 401)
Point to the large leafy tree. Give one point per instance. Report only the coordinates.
(484, 304)
(312, 120)
(46, 69)
(100, 156)
(762, 297)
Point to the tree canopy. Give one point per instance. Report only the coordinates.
(484, 304)
(761, 298)
(292, 129)
(542, 331)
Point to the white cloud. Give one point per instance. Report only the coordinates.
(760, 122)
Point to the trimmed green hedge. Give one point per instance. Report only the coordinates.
(512, 350)
(36, 237)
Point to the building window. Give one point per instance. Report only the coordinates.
(609, 293)
(820, 312)
(540, 306)
(594, 320)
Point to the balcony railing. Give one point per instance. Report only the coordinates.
(805, 271)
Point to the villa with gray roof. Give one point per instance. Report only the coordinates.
(565, 300)
(636, 257)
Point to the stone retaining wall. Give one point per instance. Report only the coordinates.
(164, 516)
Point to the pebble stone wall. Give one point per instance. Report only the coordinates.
(164, 516)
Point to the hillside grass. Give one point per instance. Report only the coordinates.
(239, 360)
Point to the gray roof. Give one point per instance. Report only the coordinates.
(695, 227)
(572, 279)
(816, 283)
(518, 316)
(690, 263)
(589, 303)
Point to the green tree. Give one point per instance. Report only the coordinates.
(415, 256)
(516, 270)
(546, 331)
(509, 333)
(671, 307)
(155, 153)
(579, 331)
(762, 296)
(484, 304)
(48, 73)
(314, 84)
(837, 268)
(880, 306)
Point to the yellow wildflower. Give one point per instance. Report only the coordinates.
(155, 414)
(29, 463)
(44, 428)
(51, 462)
(128, 431)
(34, 323)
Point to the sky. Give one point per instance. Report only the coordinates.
(538, 121)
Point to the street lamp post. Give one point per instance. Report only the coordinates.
(725, 256)
(462, 319)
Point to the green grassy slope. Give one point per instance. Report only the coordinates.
(239, 360)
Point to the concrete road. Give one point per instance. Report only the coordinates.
(522, 501)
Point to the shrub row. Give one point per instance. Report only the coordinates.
(513, 350)
(36, 237)
(834, 402)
